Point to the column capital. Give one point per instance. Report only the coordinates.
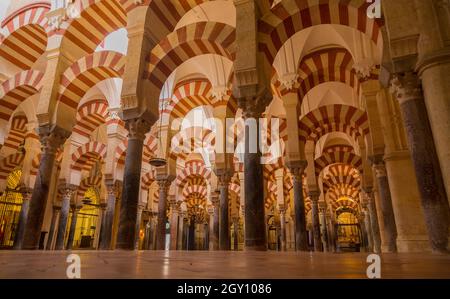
(137, 128)
(297, 168)
(56, 208)
(26, 192)
(67, 190)
(103, 206)
(254, 107)
(224, 176)
(52, 138)
(314, 196)
(215, 198)
(164, 181)
(111, 188)
(406, 87)
(322, 206)
(378, 165)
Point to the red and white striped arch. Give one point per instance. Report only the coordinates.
(340, 191)
(17, 132)
(341, 174)
(333, 118)
(345, 203)
(86, 155)
(97, 19)
(185, 43)
(193, 168)
(25, 38)
(291, 16)
(9, 163)
(338, 147)
(167, 13)
(201, 191)
(17, 89)
(86, 73)
(187, 96)
(328, 65)
(87, 183)
(148, 179)
(335, 158)
(90, 116)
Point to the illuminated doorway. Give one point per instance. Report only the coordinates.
(348, 231)
(87, 221)
(10, 205)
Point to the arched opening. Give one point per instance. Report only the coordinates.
(10, 205)
(87, 227)
(348, 231)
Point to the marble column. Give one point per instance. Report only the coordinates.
(314, 195)
(365, 216)
(255, 224)
(282, 210)
(301, 239)
(163, 184)
(73, 225)
(433, 67)
(101, 236)
(331, 243)
(375, 228)
(137, 128)
(52, 139)
(224, 177)
(389, 242)
(323, 225)
(407, 88)
(108, 223)
(53, 227)
(215, 231)
(67, 192)
(236, 233)
(181, 230)
(174, 220)
(364, 237)
(19, 234)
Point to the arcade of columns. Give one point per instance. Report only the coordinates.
(363, 108)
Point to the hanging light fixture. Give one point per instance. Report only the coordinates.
(156, 161)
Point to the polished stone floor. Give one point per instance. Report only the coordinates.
(216, 265)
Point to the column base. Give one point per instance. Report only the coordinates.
(412, 244)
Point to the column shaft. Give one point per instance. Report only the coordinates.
(283, 229)
(63, 217)
(374, 222)
(425, 160)
(108, 218)
(390, 230)
(162, 215)
(73, 226)
(315, 220)
(52, 140)
(301, 235)
(18, 238)
(224, 227)
(126, 238)
(53, 227)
